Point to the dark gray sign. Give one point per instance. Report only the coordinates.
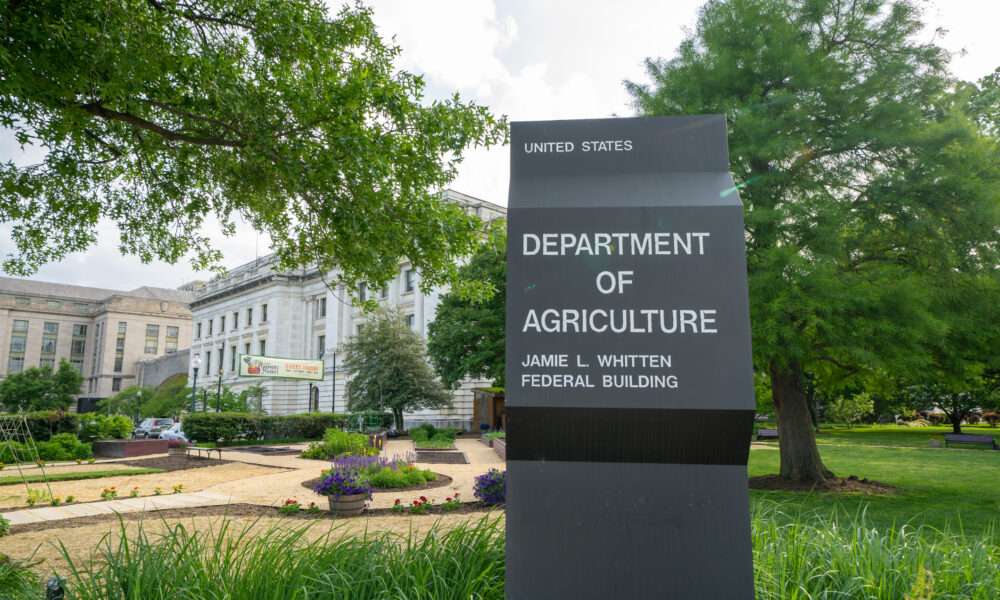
(629, 375)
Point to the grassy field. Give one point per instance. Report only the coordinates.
(942, 488)
(75, 476)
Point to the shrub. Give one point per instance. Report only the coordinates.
(83, 451)
(992, 418)
(103, 427)
(17, 580)
(972, 418)
(67, 440)
(502, 435)
(491, 487)
(4, 526)
(13, 452)
(51, 451)
(936, 418)
(228, 427)
(339, 443)
(44, 424)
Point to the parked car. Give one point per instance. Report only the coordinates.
(174, 433)
(152, 428)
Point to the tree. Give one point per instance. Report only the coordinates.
(126, 402)
(850, 408)
(957, 403)
(466, 338)
(869, 191)
(38, 388)
(162, 115)
(387, 364)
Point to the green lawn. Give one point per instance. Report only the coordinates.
(75, 476)
(947, 489)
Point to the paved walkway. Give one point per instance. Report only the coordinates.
(121, 505)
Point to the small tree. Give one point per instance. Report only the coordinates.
(467, 336)
(40, 389)
(849, 409)
(387, 364)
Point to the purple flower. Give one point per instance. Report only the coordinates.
(342, 483)
(491, 487)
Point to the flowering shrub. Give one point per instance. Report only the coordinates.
(491, 487)
(56, 501)
(337, 443)
(178, 488)
(312, 509)
(397, 506)
(90, 462)
(172, 443)
(290, 507)
(40, 463)
(343, 483)
(157, 490)
(452, 503)
(109, 493)
(134, 493)
(79, 461)
(70, 499)
(419, 507)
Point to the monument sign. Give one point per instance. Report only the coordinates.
(629, 394)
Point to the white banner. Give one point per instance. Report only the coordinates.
(288, 368)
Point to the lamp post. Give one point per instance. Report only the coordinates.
(195, 363)
(333, 396)
(310, 397)
(138, 403)
(218, 393)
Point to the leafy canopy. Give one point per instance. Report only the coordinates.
(39, 388)
(466, 338)
(165, 116)
(388, 367)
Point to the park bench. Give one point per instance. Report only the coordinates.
(208, 451)
(767, 434)
(967, 438)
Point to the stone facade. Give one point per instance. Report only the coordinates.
(102, 332)
(257, 309)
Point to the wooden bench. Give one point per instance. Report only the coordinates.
(767, 434)
(208, 451)
(968, 438)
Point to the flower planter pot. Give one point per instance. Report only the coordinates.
(348, 506)
(935, 443)
(176, 451)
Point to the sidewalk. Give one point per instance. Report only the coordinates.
(122, 505)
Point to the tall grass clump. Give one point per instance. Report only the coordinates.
(17, 582)
(292, 562)
(809, 557)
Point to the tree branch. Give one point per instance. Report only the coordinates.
(96, 109)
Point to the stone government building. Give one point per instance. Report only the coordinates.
(105, 334)
(257, 309)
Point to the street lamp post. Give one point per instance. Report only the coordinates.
(218, 393)
(195, 363)
(138, 403)
(333, 396)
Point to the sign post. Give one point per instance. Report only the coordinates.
(629, 371)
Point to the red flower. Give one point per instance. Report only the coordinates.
(423, 499)
(416, 503)
(447, 499)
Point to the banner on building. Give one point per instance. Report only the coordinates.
(284, 368)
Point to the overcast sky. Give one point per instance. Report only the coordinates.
(530, 60)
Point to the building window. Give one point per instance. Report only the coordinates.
(197, 331)
(52, 304)
(78, 346)
(20, 326)
(172, 335)
(211, 322)
(80, 307)
(15, 364)
(362, 292)
(120, 347)
(18, 343)
(50, 334)
(232, 358)
(411, 321)
(78, 365)
(320, 346)
(263, 313)
(47, 362)
(48, 346)
(384, 292)
(319, 307)
(236, 320)
(208, 362)
(22, 301)
(222, 324)
(263, 347)
(116, 384)
(152, 338)
(51, 328)
(409, 279)
(249, 316)
(246, 348)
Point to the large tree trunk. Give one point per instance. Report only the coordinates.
(397, 416)
(797, 442)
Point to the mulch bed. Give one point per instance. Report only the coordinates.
(237, 510)
(173, 463)
(442, 457)
(442, 481)
(833, 485)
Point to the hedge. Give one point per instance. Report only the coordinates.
(228, 427)
(43, 424)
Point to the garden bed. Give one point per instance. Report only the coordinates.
(268, 450)
(236, 510)
(174, 463)
(442, 457)
(129, 448)
(442, 480)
